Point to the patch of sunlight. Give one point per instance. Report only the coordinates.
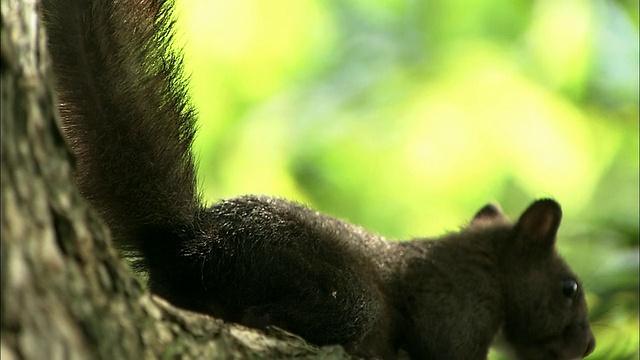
(257, 161)
(485, 121)
(381, 10)
(617, 336)
(243, 52)
(552, 148)
(450, 146)
(267, 40)
(563, 44)
(247, 49)
(498, 354)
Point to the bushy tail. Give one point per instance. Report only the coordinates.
(123, 102)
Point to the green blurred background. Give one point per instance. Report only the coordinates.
(407, 116)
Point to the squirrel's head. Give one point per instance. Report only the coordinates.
(546, 311)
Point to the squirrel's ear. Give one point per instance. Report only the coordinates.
(488, 213)
(540, 222)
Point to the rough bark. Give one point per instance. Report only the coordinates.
(66, 293)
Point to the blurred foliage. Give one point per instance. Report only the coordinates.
(407, 116)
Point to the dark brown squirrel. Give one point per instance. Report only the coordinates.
(262, 261)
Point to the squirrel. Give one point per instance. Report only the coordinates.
(263, 261)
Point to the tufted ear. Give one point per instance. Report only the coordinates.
(487, 214)
(539, 224)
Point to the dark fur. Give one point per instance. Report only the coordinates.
(262, 261)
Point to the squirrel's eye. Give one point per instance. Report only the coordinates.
(570, 288)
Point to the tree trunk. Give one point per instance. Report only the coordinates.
(66, 294)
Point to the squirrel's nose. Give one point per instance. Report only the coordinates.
(591, 345)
